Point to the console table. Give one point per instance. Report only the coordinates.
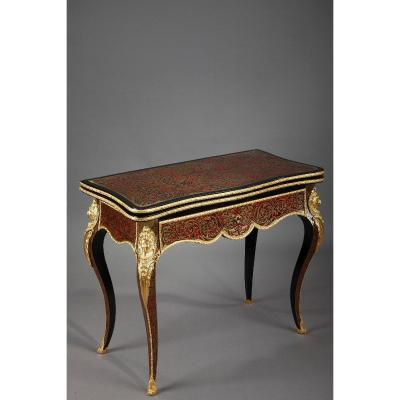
(232, 195)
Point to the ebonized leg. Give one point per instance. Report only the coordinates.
(310, 242)
(250, 250)
(98, 262)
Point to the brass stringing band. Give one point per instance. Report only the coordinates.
(112, 204)
(224, 195)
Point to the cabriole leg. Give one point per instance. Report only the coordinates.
(147, 254)
(93, 248)
(313, 235)
(250, 250)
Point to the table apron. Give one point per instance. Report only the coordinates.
(233, 222)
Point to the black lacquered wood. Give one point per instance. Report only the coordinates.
(99, 264)
(306, 253)
(250, 251)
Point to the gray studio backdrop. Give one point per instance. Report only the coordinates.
(156, 82)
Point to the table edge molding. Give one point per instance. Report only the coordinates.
(195, 199)
(200, 204)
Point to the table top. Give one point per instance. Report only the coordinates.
(153, 188)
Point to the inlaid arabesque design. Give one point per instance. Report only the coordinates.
(121, 229)
(154, 186)
(233, 222)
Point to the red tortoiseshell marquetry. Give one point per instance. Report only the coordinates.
(234, 221)
(152, 187)
(120, 227)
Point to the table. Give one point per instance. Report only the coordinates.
(232, 195)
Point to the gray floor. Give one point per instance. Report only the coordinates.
(211, 346)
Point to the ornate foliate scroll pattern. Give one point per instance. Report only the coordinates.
(154, 186)
(147, 254)
(235, 222)
(120, 228)
(313, 205)
(93, 216)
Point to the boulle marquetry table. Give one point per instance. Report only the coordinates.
(232, 195)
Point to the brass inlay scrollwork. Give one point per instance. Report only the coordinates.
(147, 254)
(208, 226)
(313, 205)
(93, 216)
